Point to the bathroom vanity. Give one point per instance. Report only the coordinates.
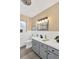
(45, 49)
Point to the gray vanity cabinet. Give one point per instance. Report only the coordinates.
(36, 46)
(43, 51)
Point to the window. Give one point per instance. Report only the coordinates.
(22, 26)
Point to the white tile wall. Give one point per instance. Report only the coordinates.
(49, 34)
(28, 35)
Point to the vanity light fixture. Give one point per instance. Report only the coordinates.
(26, 2)
(43, 20)
(39, 22)
(46, 20)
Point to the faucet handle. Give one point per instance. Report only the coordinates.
(45, 36)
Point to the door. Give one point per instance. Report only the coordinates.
(43, 51)
(35, 46)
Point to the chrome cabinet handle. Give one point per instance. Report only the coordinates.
(48, 53)
(52, 50)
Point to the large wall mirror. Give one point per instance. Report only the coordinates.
(41, 24)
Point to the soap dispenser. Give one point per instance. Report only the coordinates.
(41, 36)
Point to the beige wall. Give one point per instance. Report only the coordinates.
(53, 15)
(28, 21)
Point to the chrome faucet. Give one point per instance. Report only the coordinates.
(46, 37)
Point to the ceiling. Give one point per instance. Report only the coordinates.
(36, 7)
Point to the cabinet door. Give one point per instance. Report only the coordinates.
(43, 51)
(35, 46)
(52, 56)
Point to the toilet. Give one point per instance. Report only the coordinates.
(28, 44)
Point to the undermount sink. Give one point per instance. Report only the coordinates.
(45, 40)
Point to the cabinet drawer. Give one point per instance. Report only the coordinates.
(43, 45)
(53, 50)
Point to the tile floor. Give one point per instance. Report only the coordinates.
(27, 54)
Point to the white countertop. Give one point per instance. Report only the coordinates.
(50, 42)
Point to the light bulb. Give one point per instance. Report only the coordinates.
(46, 20)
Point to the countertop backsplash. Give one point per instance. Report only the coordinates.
(49, 34)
